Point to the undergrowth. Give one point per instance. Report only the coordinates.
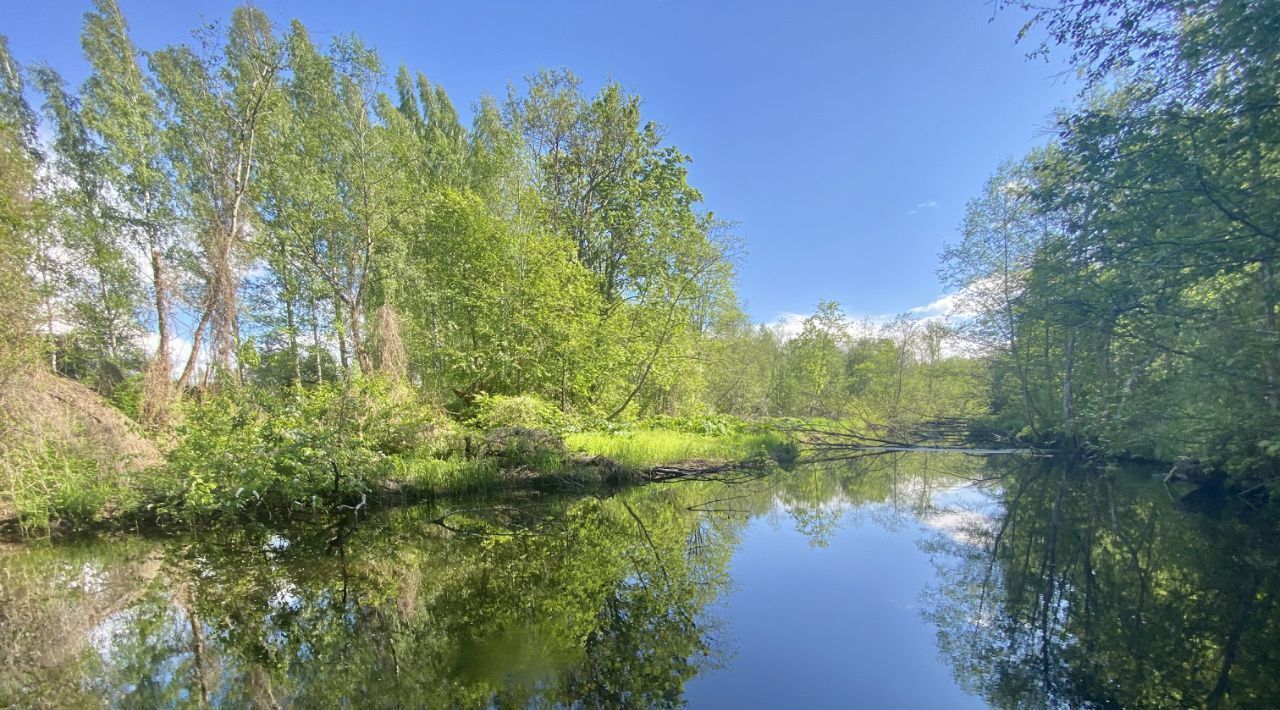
(248, 452)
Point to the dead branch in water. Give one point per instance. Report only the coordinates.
(839, 443)
(734, 472)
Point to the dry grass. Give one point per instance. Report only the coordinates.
(52, 427)
(158, 393)
(393, 358)
(42, 409)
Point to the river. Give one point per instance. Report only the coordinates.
(905, 580)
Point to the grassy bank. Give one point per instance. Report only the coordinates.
(648, 448)
(248, 454)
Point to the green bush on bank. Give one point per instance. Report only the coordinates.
(62, 487)
(255, 450)
(244, 448)
(526, 411)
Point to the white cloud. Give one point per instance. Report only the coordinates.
(179, 350)
(926, 205)
(950, 305)
(787, 325)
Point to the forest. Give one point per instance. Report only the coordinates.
(254, 271)
(318, 388)
(252, 268)
(1124, 274)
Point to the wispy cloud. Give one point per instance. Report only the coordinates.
(926, 205)
(950, 305)
(950, 308)
(787, 325)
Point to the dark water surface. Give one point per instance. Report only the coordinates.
(904, 580)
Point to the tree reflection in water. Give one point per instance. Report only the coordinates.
(544, 603)
(1101, 591)
(1058, 588)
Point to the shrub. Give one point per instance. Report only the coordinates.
(61, 487)
(704, 424)
(515, 447)
(526, 411)
(127, 395)
(240, 449)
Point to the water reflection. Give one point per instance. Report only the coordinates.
(1101, 591)
(592, 600)
(1052, 588)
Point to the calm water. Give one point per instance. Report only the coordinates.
(899, 581)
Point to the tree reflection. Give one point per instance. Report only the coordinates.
(1068, 589)
(1099, 591)
(596, 601)
(599, 602)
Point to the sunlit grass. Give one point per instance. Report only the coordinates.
(646, 449)
(446, 476)
(45, 486)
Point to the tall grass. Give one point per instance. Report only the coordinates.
(445, 476)
(47, 486)
(649, 448)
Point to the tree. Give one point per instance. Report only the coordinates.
(610, 184)
(812, 383)
(329, 188)
(989, 267)
(101, 293)
(120, 105)
(19, 156)
(216, 105)
(1130, 291)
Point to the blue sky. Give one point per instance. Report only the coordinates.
(844, 137)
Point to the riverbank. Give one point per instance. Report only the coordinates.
(73, 498)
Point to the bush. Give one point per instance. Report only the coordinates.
(297, 447)
(515, 447)
(64, 488)
(526, 411)
(704, 424)
(127, 396)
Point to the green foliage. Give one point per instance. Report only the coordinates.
(127, 396)
(60, 489)
(704, 424)
(526, 411)
(243, 449)
(347, 254)
(19, 157)
(1125, 277)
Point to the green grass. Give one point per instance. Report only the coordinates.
(47, 486)
(649, 448)
(446, 476)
